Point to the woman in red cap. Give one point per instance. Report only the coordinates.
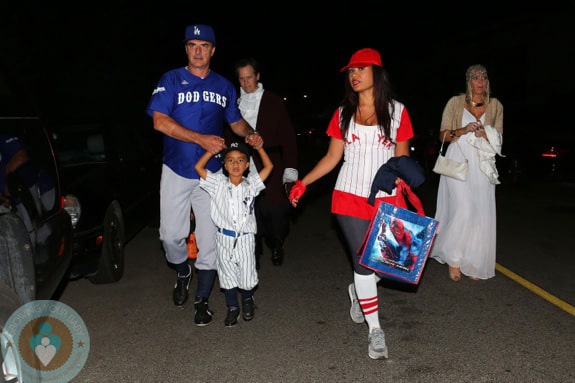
(367, 129)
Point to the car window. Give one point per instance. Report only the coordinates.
(79, 144)
(28, 171)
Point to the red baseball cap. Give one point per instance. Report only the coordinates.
(362, 58)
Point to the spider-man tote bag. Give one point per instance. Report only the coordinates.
(398, 241)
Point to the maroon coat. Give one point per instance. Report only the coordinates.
(275, 127)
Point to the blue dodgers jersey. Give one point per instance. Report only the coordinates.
(203, 105)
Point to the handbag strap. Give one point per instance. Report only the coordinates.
(403, 191)
(442, 141)
(456, 142)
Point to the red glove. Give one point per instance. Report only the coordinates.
(297, 190)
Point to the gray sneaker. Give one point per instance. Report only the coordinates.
(377, 348)
(355, 310)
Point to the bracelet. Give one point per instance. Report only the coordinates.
(253, 132)
(452, 133)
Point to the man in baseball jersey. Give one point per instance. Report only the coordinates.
(190, 106)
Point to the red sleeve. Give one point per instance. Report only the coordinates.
(333, 129)
(405, 130)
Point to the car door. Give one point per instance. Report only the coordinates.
(29, 182)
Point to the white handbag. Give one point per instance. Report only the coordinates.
(450, 168)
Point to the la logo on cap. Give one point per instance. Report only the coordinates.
(200, 32)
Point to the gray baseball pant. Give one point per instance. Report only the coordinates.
(178, 196)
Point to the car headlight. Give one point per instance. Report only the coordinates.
(11, 366)
(73, 207)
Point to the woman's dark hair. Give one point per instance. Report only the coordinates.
(383, 95)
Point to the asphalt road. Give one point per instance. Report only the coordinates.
(516, 327)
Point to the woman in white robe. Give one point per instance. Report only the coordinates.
(466, 211)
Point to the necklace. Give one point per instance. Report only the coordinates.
(369, 120)
(476, 104)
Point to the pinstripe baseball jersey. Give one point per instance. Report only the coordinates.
(232, 206)
(199, 104)
(232, 210)
(365, 151)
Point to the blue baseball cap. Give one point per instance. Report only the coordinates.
(200, 32)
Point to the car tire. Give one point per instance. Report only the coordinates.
(111, 264)
(17, 257)
(9, 303)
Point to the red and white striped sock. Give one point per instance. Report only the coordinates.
(366, 290)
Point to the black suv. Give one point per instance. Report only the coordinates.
(35, 230)
(71, 196)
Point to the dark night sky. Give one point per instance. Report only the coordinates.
(104, 59)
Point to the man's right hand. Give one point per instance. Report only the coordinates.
(213, 144)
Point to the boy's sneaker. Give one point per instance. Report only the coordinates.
(355, 310)
(202, 313)
(248, 308)
(232, 317)
(377, 348)
(181, 288)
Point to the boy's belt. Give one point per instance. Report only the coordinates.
(230, 233)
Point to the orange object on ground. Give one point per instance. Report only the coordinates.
(192, 246)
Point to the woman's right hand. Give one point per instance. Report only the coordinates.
(296, 192)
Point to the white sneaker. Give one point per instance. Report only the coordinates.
(355, 310)
(377, 348)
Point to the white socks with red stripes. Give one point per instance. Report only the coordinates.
(366, 290)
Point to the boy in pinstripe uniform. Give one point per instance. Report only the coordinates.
(233, 192)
